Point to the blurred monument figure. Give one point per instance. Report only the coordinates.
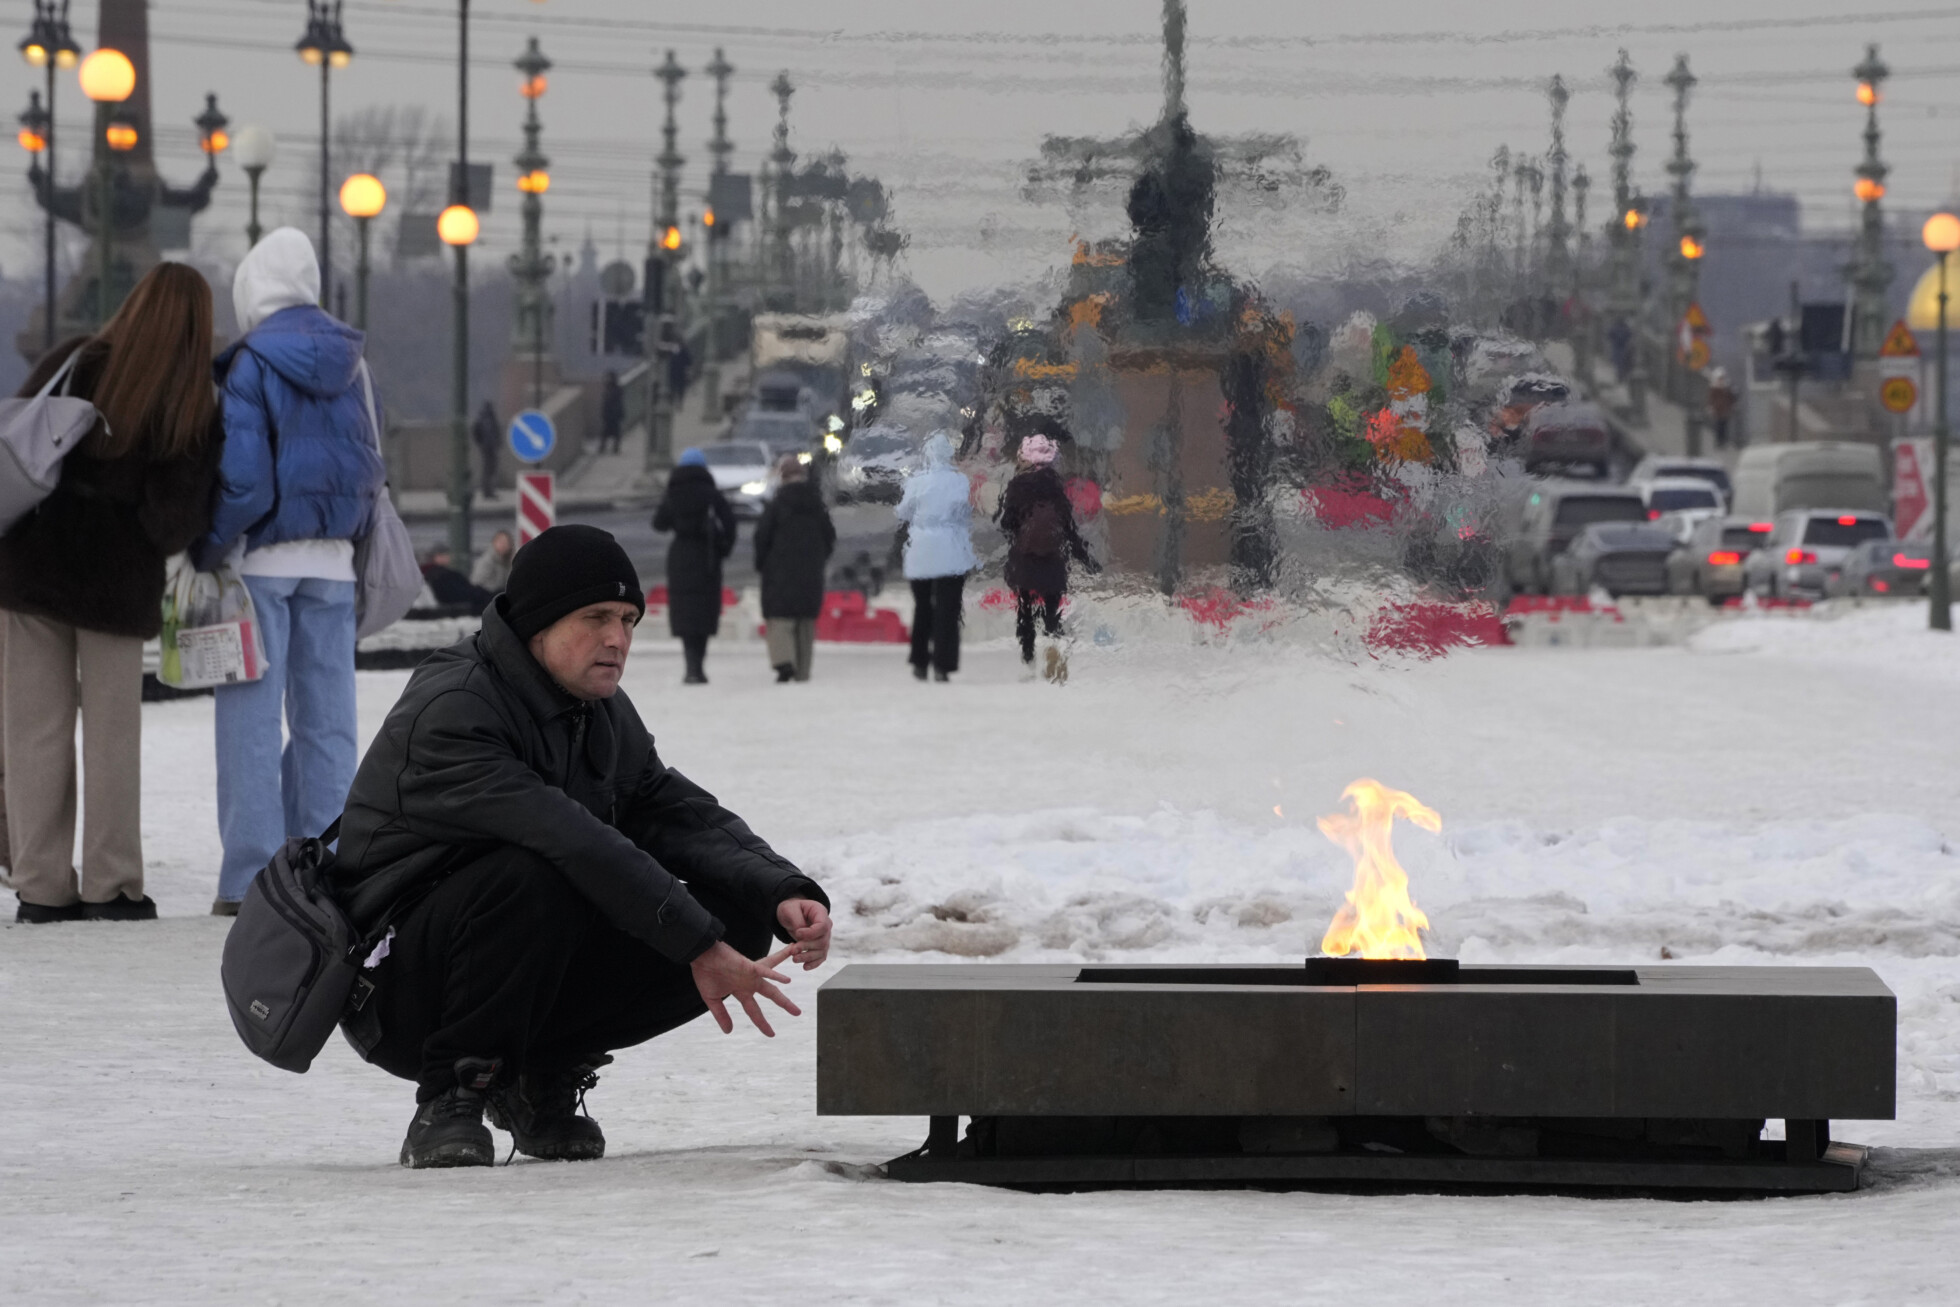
(1171, 364)
(612, 413)
(145, 212)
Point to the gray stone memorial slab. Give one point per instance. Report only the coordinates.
(1649, 1076)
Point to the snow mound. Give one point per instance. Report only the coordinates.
(1087, 885)
(1893, 638)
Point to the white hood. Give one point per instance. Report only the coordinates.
(280, 272)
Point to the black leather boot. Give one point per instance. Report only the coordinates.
(448, 1130)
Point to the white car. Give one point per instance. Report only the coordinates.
(1654, 467)
(743, 472)
(1683, 497)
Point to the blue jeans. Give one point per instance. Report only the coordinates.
(266, 793)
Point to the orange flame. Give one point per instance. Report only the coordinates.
(1379, 920)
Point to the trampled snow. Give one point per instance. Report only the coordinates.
(1781, 791)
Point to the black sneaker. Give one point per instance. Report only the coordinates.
(34, 914)
(121, 908)
(448, 1130)
(541, 1109)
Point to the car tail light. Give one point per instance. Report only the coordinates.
(1762, 528)
(1847, 520)
(1724, 558)
(1653, 515)
(1880, 585)
(1916, 564)
(1800, 556)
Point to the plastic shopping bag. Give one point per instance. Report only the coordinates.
(210, 630)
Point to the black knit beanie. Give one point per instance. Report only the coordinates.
(563, 570)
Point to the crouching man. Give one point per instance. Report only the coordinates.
(554, 890)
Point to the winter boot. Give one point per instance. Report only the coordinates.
(34, 914)
(918, 671)
(448, 1130)
(1055, 664)
(785, 673)
(120, 908)
(940, 675)
(224, 907)
(541, 1109)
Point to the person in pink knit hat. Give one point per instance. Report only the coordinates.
(1039, 522)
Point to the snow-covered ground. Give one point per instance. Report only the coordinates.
(1781, 790)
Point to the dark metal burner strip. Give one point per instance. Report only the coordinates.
(1352, 971)
(1838, 1171)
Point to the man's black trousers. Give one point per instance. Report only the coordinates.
(936, 622)
(504, 959)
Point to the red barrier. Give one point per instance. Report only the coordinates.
(1430, 630)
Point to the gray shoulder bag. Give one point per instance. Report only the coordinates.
(387, 581)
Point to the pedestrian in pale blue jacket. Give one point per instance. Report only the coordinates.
(297, 483)
(937, 509)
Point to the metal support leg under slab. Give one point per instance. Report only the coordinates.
(942, 1138)
(1806, 1140)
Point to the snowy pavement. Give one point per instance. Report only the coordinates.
(1775, 792)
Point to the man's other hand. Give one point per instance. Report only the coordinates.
(722, 973)
(808, 923)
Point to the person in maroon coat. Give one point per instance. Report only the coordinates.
(81, 586)
(1039, 522)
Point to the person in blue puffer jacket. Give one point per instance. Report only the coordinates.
(301, 470)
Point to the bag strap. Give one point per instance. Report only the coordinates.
(61, 374)
(332, 832)
(374, 420)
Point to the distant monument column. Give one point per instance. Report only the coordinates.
(137, 193)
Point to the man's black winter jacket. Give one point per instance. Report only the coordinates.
(484, 749)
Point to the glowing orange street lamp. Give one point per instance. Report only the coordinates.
(1692, 248)
(1868, 190)
(1942, 236)
(458, 226)
(362, 198)
(108, 78)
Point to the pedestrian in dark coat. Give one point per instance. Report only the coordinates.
(1039, 522)
(550, 890)
(81, 583)
(612, 414)
(703, 524)
(488, 435)
(793, 541)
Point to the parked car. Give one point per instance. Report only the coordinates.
(1656, 466)
(1554, 513)
(1622, 558)
(1567, 435)
(1883, 567)
(782, 433)
(1521, 396)
(743, 473)
(1682, 495)
(874, 465)
(1708, 561)
(1821, 474)
(1805, 554)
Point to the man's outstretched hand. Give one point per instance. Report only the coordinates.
(807, 923)
(722, 973)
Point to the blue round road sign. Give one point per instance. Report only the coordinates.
(532, 436)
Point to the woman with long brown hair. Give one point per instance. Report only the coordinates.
(81, 586)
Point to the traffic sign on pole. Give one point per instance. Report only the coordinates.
(1899, 343)
(1898, 394)
(531, 436)
(537, 507)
